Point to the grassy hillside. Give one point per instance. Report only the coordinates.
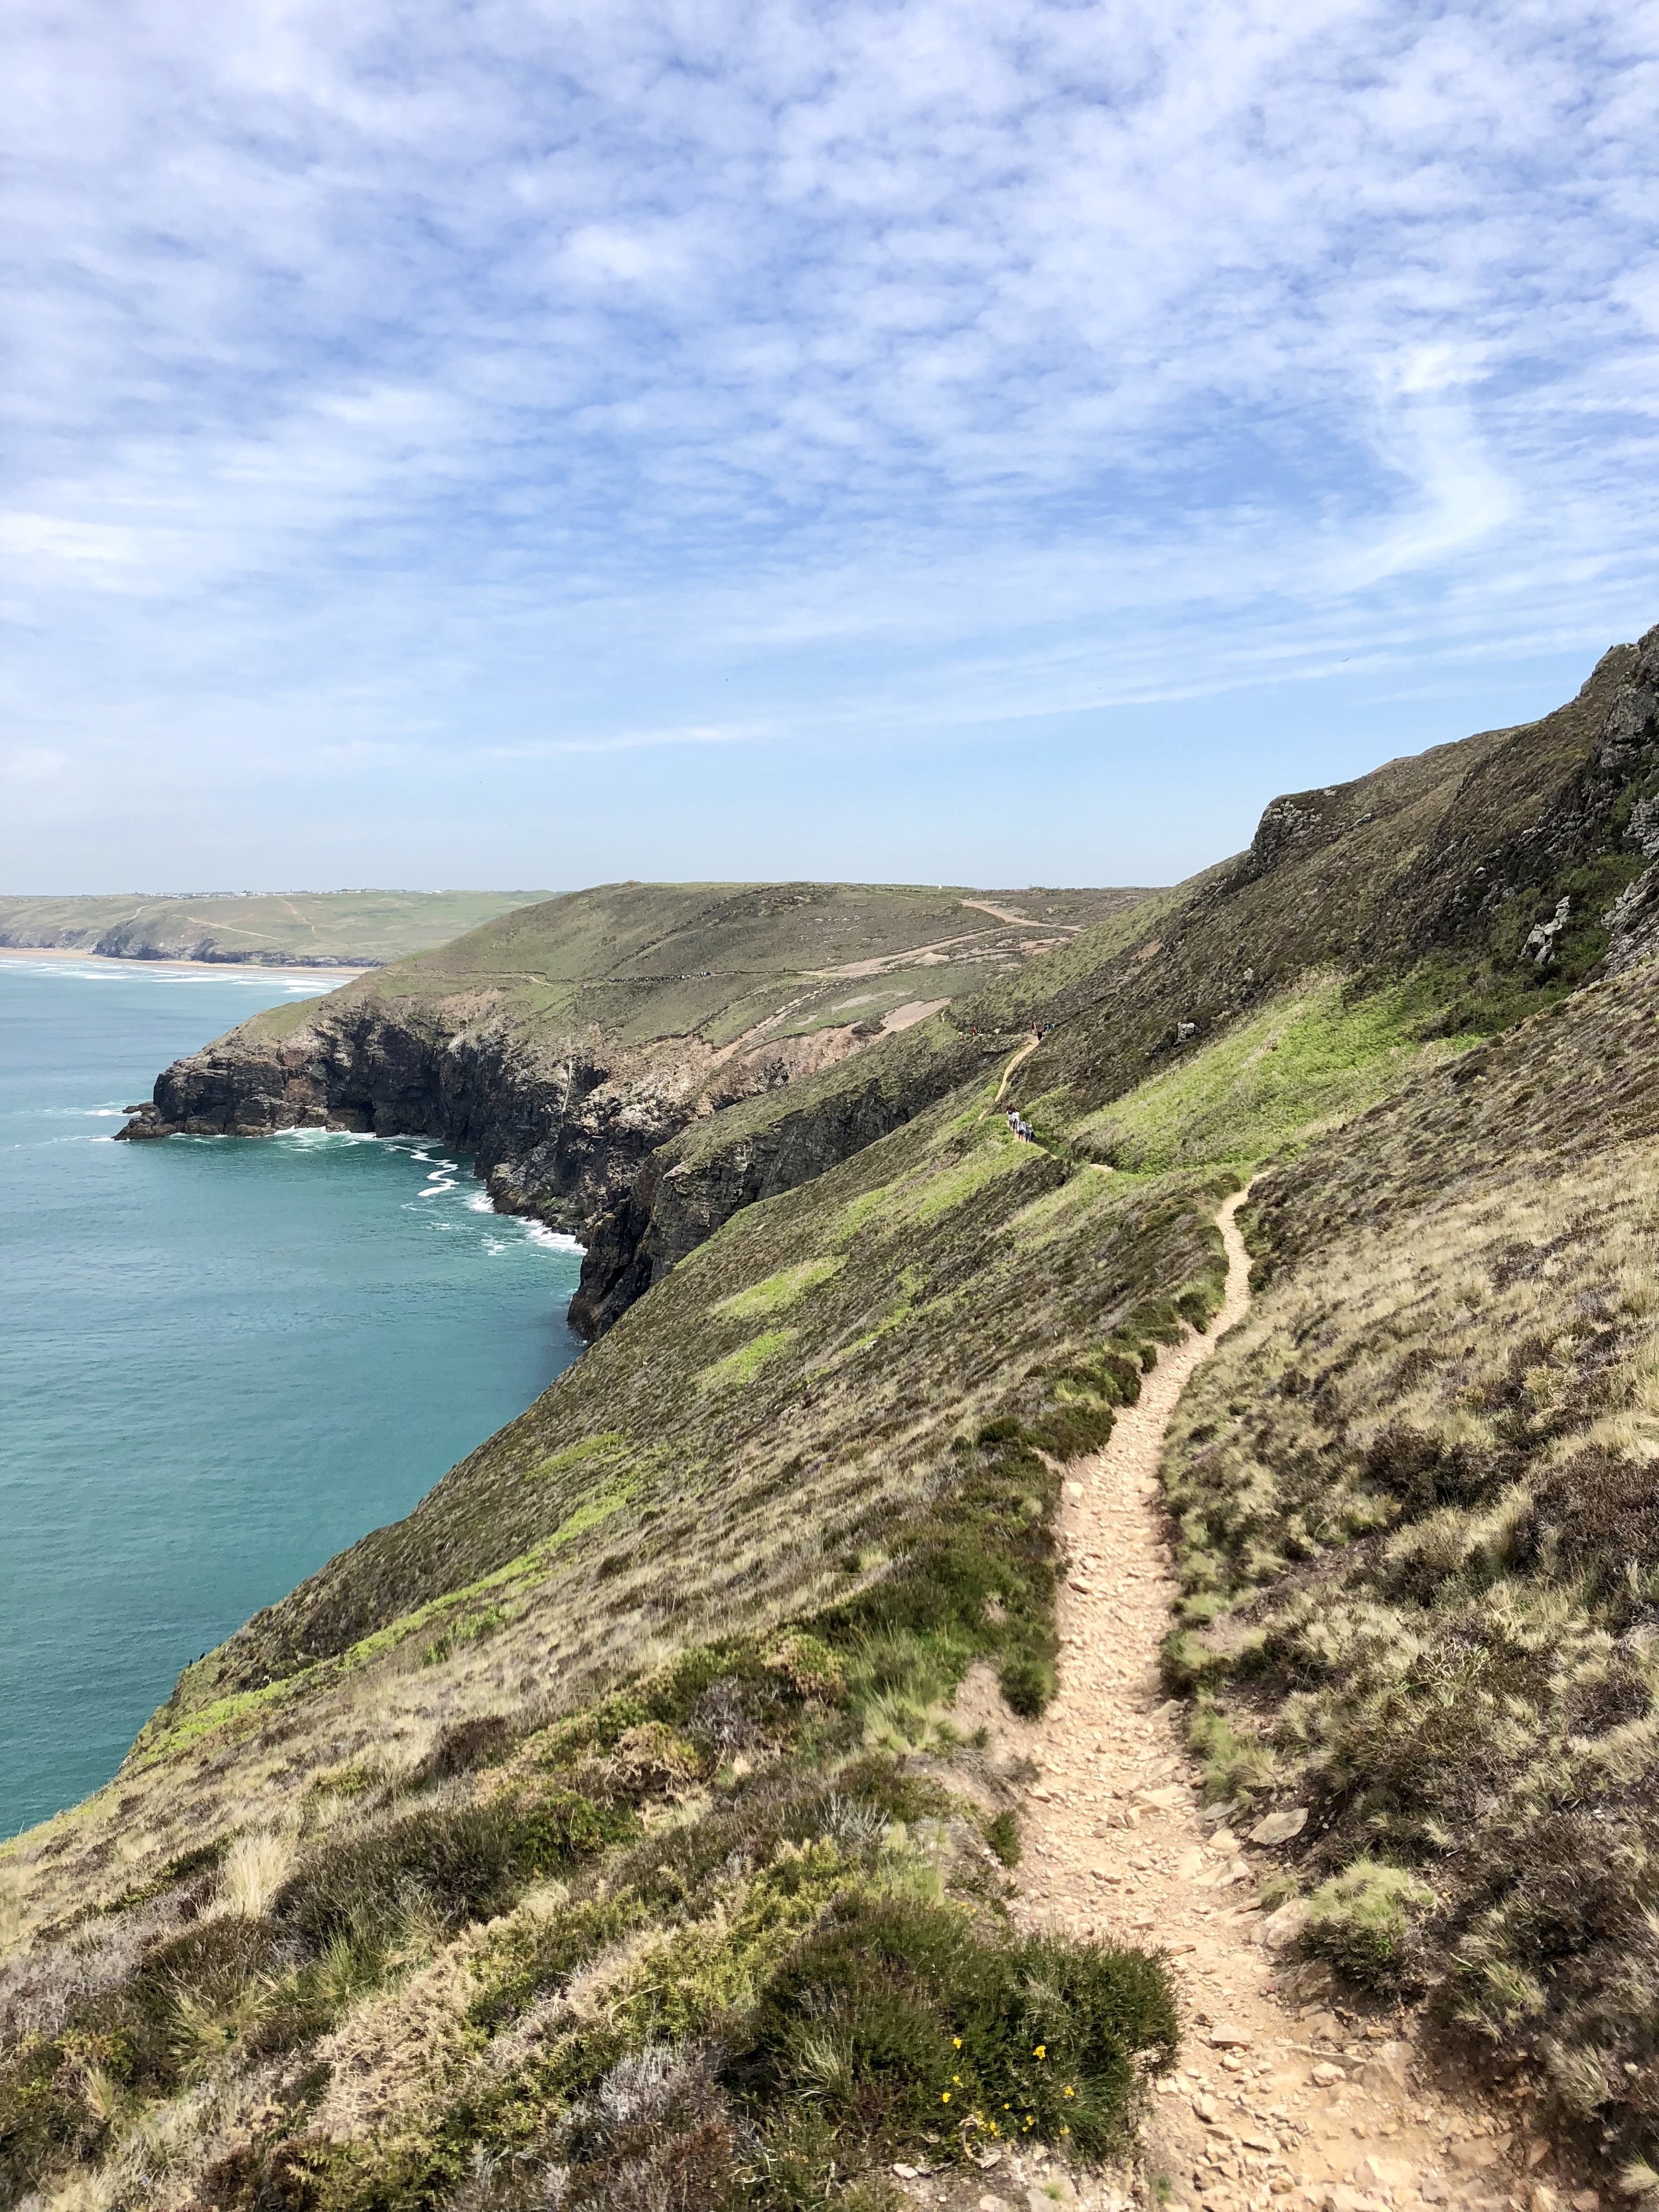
(635, 1731)
(717, 961)
(600, 1836)
(1416, 1502)
(1427, 878)
(326, 929)
(566, 1790)
(563, 1043)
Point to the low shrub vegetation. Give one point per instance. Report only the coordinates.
(1415, 1507)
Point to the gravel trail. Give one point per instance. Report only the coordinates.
(1311, 2105)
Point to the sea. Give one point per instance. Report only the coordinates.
(221, 1359)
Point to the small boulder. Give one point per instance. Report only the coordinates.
(1280, 1827)
(1281, 1929)
(1386, 2173)
(1388, 2066)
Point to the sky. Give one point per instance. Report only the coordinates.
(529, 444)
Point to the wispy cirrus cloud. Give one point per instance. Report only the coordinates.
(511, 380)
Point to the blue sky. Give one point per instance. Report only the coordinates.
(529, 444)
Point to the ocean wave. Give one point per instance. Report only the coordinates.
(551, 1239)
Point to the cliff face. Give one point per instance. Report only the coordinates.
(684, 1189)
(566, 1046)
(637, 1065)
(621, 1753)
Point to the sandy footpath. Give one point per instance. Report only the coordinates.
(1311, 2106)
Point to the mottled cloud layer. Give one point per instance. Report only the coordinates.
(452, 395)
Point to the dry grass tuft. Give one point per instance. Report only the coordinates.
(255, 1868)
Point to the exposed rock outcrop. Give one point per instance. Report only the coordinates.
(558, 1128)
(568, 1045)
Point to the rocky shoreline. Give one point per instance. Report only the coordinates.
(573, 1136)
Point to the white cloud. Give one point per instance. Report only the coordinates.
(771, 366)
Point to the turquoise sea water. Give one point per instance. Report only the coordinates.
(220, 1360)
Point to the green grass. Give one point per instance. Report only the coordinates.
(1414, 1502)
(779, 1291)
(743, 1365)
(608, 1809)
(874, 1513)
(1320, 1055)
(342, 928)
(585, 1452)
(932, 2030)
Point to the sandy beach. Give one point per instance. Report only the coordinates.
(333, 975)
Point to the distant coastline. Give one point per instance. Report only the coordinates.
(342, 931)
(308, 970)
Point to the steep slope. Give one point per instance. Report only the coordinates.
(566, 1040)
(788, 1499)
(1416, 1505)
(1491, 871)
(295, 929)
(602, 1834)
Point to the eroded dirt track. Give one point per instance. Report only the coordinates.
(1276, 2102)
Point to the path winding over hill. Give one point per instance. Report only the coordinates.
(1273, 2104)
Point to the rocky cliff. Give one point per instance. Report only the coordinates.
(564, 1047)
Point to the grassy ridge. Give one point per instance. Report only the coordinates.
(829, 1493)
(600, 1835)
(642, 962)
(1427, 878)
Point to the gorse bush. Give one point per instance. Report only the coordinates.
(674, 1753)
(897, 2017)
(461, 1862)
(805, 1975)
(787, 2030)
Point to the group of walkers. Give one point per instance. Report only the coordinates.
(1021, 1127)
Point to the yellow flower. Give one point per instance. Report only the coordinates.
(956, 2042)
(1042, 2050)
(944, 2097)
(1071, 2093)
(955, 2080)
